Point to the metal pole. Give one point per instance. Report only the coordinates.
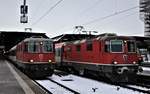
(24, 3)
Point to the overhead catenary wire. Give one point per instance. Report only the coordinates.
(46, 13)
(38, 7)
(118, 22)
(91, 7)
(108, 16)
(105, 17)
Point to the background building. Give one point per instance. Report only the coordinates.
(145, 15)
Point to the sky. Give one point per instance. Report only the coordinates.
(92, 14)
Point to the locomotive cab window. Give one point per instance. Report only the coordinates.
(25, 46)
(47, 46)
(78, 47)
(107, 46)
(116, 46)
(89, 46)
(33, 47)
(131, 46)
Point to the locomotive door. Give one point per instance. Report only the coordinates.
(58, 55)
(59, 52)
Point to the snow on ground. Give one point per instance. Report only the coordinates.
(87, 86)
(53, 88)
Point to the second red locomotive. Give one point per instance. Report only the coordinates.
(114, 57)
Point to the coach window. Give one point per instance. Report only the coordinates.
(89, 46)
(47, 46)
(116, 46)
(33, 46)
(78, 47)
(131, 46)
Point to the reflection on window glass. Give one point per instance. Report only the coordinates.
(131, 46)
(47, 46)
(33, 46)
(116, 46)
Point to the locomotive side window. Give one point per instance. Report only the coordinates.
(25, 46)
(78, 47)
(47, 46)
(116, 46)
(107, 46)
(89, 46)
(33, 46)
(131, 46)
(69, 49)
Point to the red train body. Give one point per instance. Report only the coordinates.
(114, 57)
(35, 56)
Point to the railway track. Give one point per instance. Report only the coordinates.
(61, 83)
(63, 86)
(142, 84)
(53, 87)
(136, 87)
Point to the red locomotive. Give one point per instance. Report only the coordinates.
(114, 57)
(35, 56)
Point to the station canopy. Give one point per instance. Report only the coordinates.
(8, 39)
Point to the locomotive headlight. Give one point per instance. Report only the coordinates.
(115, 62)
(49, 61)
(134, 62)
(41, 43)
(31, 60)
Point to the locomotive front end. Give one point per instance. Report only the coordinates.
(121, 54)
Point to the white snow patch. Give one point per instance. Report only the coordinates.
(87, 86)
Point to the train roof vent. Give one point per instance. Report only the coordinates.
(105, 35)
(37, 37)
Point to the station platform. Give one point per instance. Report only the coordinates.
(11, 82)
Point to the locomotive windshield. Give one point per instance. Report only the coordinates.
(33, 46)
(117, 46)
(38, 46)
(114, 46)
(47, 46)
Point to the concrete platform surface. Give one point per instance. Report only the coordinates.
(11, 82)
